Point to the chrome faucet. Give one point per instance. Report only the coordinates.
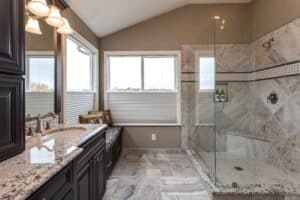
(40, 124)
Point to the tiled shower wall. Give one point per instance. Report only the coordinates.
(279, 124)
(247, 112)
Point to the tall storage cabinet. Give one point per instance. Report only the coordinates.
(12, 97)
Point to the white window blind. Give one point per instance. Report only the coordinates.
(143, 88)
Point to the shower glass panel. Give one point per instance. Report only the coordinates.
(198, 87)
(234, 97)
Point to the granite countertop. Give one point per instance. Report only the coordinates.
(44, 156)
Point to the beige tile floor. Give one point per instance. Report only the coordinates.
(155, 175)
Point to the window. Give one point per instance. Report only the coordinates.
(79, 66)
(159, 74)
(80, 73)
(125, 73)
(206, 73)
(40, 73)
(142, 87)
(141, 73)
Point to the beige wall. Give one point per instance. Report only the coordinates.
(79, 26)
(187, 25)
(271, 14)
(43, 42)
(191, 24)
(140, 137)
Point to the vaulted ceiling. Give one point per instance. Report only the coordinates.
(108, 16)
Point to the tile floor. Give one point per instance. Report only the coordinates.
(155, 175)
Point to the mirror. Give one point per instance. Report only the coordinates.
(40, 71)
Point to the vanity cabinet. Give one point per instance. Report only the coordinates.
(12, 97)
(89, 170)
(82, 179)
(59, 187)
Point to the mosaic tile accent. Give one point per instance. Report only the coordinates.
(281, 71)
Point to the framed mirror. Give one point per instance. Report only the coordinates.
(43, 62)
(43, 72)
(40, 71)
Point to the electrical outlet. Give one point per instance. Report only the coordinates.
(153, 137)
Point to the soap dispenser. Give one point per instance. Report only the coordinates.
(217, 96)
(222, 96)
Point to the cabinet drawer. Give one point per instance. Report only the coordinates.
(58, 188)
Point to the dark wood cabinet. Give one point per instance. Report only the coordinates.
(11, 82)
(89, 169)
(84, 189)
(99, 175)
(12, 37)
(82, 179)
(90, 179)
(11, 115)
(60, 187)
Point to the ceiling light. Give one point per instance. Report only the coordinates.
(38, 7)
(33, 26)
(54, 18)
(66, 28)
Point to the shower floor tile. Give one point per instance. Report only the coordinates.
(251, 172)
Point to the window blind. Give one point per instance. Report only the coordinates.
(77, 103)
(143, 107)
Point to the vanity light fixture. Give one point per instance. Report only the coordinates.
(39, 8)
(54, 18)
(66, 28)
(33, 26)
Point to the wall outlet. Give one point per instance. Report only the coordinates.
(153, 137)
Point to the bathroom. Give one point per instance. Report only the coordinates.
(150, 99)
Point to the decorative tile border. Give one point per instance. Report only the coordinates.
(268, 73)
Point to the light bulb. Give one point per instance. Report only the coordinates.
(33, 26)
(38, 7)
(54, 18)
(66, 28)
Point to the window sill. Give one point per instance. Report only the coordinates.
(147, 125)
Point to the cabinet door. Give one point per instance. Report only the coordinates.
(59, 187)
(99, 175)
(11, 116)
(12, 36)
(84, 189)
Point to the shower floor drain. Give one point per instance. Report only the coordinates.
(239, 168)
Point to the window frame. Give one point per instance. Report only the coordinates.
(37, 54)
(177, 80)
(95, 72)
(108, 83)
(92, 64)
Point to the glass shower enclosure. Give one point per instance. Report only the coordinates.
(242, 116)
